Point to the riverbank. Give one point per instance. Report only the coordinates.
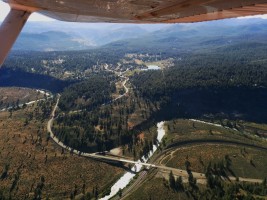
(128, 176)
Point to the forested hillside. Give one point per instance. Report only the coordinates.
(57, 64)
(20, 78)
(88, 94)
(230, 81)
(197, 91)
(105, 126)
(220, 70)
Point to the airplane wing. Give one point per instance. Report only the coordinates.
(143, 11)
(123, 11)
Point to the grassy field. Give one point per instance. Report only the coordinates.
(156, 188)
(184, 130)
(199, 156)
(161, 63)
(28, 158)
(247, 162)
(260, 127)
(246, 127)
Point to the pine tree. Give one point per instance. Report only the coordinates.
(171, 180)
(179, 184)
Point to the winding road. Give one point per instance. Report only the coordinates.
(126, 89)
(117, 98)
(93, 155)
(213, 141)
(49, 96)
(163, 169)
(178, 172)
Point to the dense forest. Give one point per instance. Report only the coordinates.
(231, 81)
(217, 74)
(156, 84)
(107, 126)
(242, 65)
(57, 63)
(88, 94)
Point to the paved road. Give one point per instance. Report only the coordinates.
(116, 159)
(177, 172)
(92, 155)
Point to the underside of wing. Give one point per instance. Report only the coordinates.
(143, 11)
(122, 11)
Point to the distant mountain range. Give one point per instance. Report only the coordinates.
(51, 41)
(198, 37)
(61, 36)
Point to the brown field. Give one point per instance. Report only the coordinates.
(29, 156)
(154, 189)
(10, 95)
(119, 86)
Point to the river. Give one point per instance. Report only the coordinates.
(128, 176)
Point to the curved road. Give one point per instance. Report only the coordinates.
(119, 97)
(148, 165)
(124, 83)
(125, 87)
(183, 173)
(177, 172)
(49, 96)
(214, 141)
(92, 155)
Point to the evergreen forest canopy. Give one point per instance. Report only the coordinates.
(238, 66)
(231, 81)
(88, 94)
(176, 41)
(214, 72)
(220, 71)
(228, 83)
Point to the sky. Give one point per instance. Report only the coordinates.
(4, 9)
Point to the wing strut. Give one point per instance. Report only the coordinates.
(10, 29)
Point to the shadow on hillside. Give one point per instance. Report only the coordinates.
(19, 78)
(232, 103)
